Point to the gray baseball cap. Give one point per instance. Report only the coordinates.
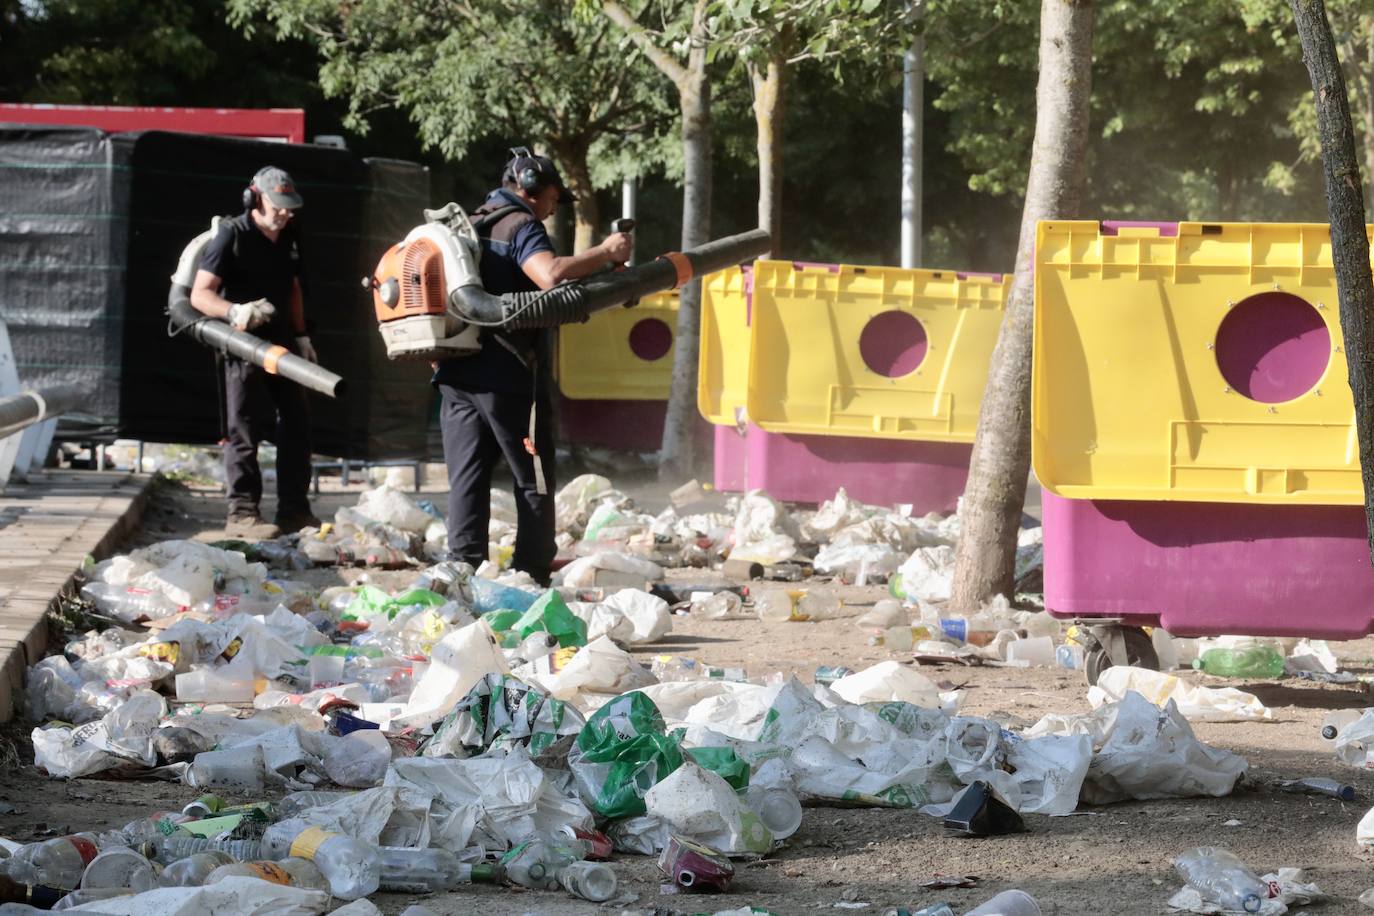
(279, 187)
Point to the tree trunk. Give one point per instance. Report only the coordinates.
(572, 160)
(1349, 238)
(768, 120)
(677, 460)
(985, 557)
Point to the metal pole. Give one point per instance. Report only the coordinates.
(629, 202)
(913, 101)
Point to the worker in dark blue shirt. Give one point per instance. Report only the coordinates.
(497, 402)
(250, 276)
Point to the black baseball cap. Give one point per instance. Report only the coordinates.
(279, 188)
(522, 158)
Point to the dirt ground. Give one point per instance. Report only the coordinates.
(1107, 860)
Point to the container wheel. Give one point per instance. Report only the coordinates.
(1117, 645)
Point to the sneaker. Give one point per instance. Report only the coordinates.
(249, 526)
(292, 522)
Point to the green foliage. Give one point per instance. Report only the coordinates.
(473, 68)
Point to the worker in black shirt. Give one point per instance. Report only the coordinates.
(496, 403)
(250, 276)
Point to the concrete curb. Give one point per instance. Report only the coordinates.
(59, 517)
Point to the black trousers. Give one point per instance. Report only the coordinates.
(261, 406)
(479, 428)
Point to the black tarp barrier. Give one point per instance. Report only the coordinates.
(83, 287)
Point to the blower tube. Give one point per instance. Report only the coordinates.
(26, 408)
(570, 303)
(222, 336)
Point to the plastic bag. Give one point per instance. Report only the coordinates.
(1213, 704)
(704, 807)
(764, 531)
(582, 572)
(460, 660)
(359, 760)
(1050, 771)
(572, 503)
(391, 507)
(888, 682)
(550, 614)
(124, 737)
(1149, 752)
(648, 614)
(501, 712)
(242, 896)
(599, 667)
(620, 754)
(927, 575)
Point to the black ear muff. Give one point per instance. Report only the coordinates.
(250, 198)
(527, 171)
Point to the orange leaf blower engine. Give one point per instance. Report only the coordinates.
(430, 302)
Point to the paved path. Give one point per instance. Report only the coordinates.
(47, 528)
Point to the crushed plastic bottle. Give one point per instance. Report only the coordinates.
(147, 829)
(1221, 877)
(174, 848)
(59, 862)
(352, 868)
(715, 605)
(775, 605)
(885, 613)
(899, 639)
(1251, 661)
(1317, 785)
(535, 863)
(819, 604)
(594, 881)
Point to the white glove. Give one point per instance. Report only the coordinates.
(307, 349)
(248, 315)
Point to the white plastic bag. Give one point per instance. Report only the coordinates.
(648, 614)
(764, 531)
(887, 682)
(1149, 752)
(1212, 704)
(701, 805)
(928, 574)
(242, 896)
(460, 660)
(391, 507)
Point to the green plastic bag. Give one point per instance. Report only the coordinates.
(501, 711)
(501, 621)
(371, 601)
(621, 753)
(551, 615)
(725, 763)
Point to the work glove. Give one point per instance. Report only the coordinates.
(307, 348)
(248, 315)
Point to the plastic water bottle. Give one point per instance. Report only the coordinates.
(819, 604)
(536, 862)
(352, 868)
(193, 870)
(594, 881)
(296, 802)
(775, 606)
(58, 862)
(174, 848)
(1252, 661)
(128, 604)
(715, 605)
(1008, 903)
(154, 826)
(1219, 876)
(418, 871)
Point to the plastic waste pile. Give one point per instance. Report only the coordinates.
(471, 727)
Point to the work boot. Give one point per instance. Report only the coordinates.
(250, 526)
(291, 522)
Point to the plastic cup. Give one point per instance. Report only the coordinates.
(206, 685)
(779, 810)
(120, 867)
(238, 767)
(1038, 650)
(326, 670)
(1008, 903)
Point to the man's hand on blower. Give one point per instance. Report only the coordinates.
(618, 246)
(307, 348)
(248, 315)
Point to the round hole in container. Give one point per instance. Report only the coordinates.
(1273, 347)
(893, 344)
(651, 339)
